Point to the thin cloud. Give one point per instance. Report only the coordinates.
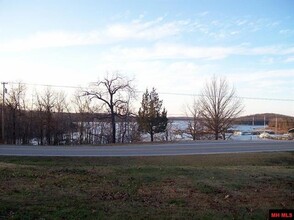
(114, 33)
(226, 29)
(286, 32)
(169, 51)
(153, 30)
(289, 60)
(164, 51)
(139, 30)
(260, 78)
(51, 39)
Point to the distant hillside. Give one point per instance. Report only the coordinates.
(180, 118)
(259, 118)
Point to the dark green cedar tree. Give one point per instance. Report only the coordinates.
(150, 117)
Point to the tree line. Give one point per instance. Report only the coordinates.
(103, 113)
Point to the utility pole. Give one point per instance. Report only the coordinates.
(3, 104)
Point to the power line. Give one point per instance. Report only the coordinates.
(163, 93)
(242, 97)
(46, 85)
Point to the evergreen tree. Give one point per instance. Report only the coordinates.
(150, 117)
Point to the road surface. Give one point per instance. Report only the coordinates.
(184, 148)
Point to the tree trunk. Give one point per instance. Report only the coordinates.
(41, 135)
(14, 127)
(113, 125)
(81, 132)
(48, 130)
(151, 134)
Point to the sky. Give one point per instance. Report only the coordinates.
(175, 46)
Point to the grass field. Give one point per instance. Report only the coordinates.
(227, 186)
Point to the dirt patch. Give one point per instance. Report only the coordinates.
(13, 165)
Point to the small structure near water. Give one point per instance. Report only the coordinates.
(291, 132)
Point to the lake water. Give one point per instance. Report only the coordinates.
(243, 132)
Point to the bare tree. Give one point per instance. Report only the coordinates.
(219, 106)
(60, 123)
(82, 107)
(195, 125)
(123, 126)
(169, 130)
(15, 103)
(113, 91)
(45, 107)
(128, 128)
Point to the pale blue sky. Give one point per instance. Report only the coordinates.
(175, 46)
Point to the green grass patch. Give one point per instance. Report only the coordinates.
(227, 186)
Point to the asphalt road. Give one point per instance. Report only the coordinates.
(184, 148)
